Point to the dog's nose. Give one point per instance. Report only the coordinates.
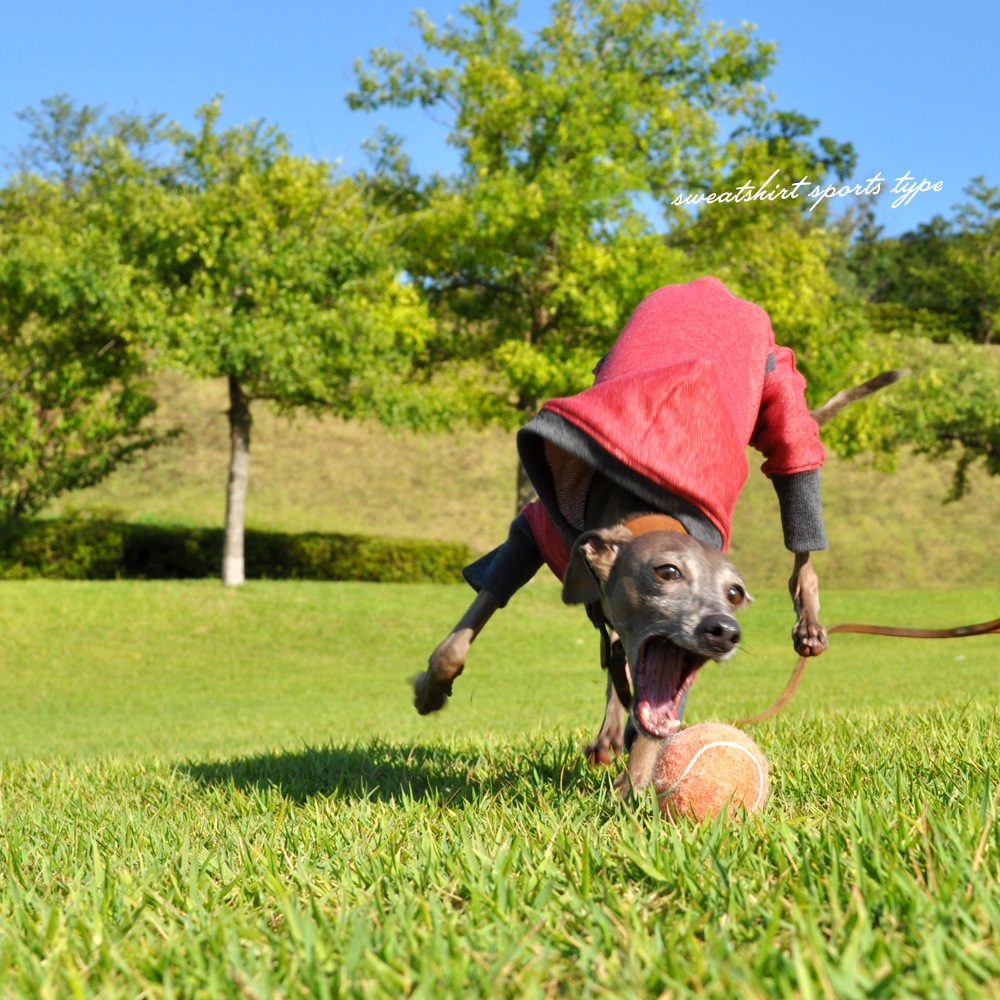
(721, 633)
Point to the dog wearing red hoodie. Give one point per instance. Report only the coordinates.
(637, 478)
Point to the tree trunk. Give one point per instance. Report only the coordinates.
(236, 491)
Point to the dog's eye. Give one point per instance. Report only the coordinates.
(668, 572)
(736, 594)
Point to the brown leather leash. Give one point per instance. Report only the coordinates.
(984, 628)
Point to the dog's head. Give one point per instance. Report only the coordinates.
(671, 599)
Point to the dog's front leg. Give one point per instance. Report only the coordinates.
(610, 741)
(641, 765)
(808, 636)
(433, 687)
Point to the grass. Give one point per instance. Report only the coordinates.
(192, 669)
(208, 793)
(498, 869)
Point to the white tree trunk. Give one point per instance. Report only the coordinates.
(236, 492)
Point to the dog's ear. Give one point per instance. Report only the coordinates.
(590, 563)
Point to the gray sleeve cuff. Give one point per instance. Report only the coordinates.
(506, 569)
(801, 504)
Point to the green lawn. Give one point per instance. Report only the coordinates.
(195, 669)
(209, 793)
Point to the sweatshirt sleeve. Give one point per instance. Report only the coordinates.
(801, 505)
(788, 438)
(785, 433)
(509, 566)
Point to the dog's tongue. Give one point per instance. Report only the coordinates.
(664, 676)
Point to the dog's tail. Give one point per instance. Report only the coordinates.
(833, 406)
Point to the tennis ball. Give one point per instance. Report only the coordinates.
(704, 769)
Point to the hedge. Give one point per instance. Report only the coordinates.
(78, 548)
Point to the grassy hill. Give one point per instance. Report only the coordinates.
(328, 475)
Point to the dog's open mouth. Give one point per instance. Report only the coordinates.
(662, 679)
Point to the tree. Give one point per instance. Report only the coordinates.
(944, 276)
(949, 408)
(277, 276)
(67, 142)
(935, 294)
(74, 388)
(534, 253)
(974, 259)
(779, 253)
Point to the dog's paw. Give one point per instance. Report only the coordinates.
(432, 688)
(428, 694)
(603, 750)
(809, 638)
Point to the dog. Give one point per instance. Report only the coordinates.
(672, 600)
(637, 478)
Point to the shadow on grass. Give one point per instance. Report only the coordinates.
(390, 773)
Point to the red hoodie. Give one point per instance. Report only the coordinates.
(694, 377)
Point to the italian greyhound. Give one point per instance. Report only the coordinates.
(671, 600)
(665, 604)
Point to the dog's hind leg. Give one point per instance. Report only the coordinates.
(610, 741)
(433, 687)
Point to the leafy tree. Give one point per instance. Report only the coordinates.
(213, 250)
(67, 142)
(934, 293)
(977, 256)
(277, 276)
(535, 251)
(904, 277)
(944, 276)
(780, 253)
(949, 408)
(74, 392)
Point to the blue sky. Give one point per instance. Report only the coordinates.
(915, 87)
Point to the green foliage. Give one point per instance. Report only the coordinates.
(934, 293)
(271, 270)
(104, 549)
(945, 275)
(787, 256)
(69, 143)
(783, 254)
(248, 263)
(74, 392)
(950, 406)
(534, 253)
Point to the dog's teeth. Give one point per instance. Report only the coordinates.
(643, 712)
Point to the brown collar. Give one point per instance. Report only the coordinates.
(643, 524)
